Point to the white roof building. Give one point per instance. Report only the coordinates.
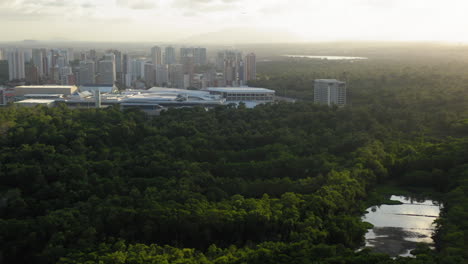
(45, 89)
(249, 95)
(34, 102)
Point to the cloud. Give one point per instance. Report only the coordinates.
(137, 4)
(205, 5)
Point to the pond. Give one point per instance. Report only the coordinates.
(326, 57)
(398, 228)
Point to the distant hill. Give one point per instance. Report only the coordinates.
(243, 36)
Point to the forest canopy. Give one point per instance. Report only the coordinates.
(280, 183)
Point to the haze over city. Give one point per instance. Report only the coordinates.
(233, 21)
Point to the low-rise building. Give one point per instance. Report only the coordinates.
(34, 102)
(244, 94)
(102, 88)
(21, 91)
(330, 92)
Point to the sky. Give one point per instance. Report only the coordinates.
(288, 20)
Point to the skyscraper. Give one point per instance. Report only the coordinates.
(199, 56)
(250, 66)
(176, 76)
(38, 61)
(233, 67)
(330, 92)
(162, 75)
(93, 55)
(150, 74)
(16, 64)
(46, 61)
(86, 73)
(107, 73)
(185, 52)
(169, 55)
(220, 61)
(125, 66)
(119, 66)
(31, 73)
(156, 55)
(188, 68)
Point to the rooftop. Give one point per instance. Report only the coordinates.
(36, 101)
(327, 80)
(46, 86)
(97, 85)
(43, 95)
(239, 90)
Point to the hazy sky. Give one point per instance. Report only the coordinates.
(172, 20)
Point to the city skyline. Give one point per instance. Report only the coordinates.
(233, 21)
(190, 68)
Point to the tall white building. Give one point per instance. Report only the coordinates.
(156, 55)
(330, 92)
(16, 64)
(231, 63)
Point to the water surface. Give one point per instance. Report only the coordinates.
(326, 57)
(398, 228)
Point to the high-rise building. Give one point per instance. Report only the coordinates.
(86, 73)
(16, 64)
(107, 73)
(119, 66)
(199, 56)
(4, 70)
(125, 65)
(93, 55)
(138, 68)
(150, 74)
(135, 70)
(330, 92)
(38, 60)
(162, 75)
(169, 55)
(62, 61)
(188, 68)
(31, 73)
(46, 61)
(220, 61)
(156, 55)
(65, 76)
(2, 54)
(54, 77)
(250, 67)
(233, 69)
(27, 55)
(176, 76)
(185, 52)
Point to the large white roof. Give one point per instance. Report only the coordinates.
(239, 90)
(36, 101)
(47, 86)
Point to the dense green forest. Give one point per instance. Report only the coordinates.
(280, 183)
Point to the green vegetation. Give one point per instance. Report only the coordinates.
(281, 183)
